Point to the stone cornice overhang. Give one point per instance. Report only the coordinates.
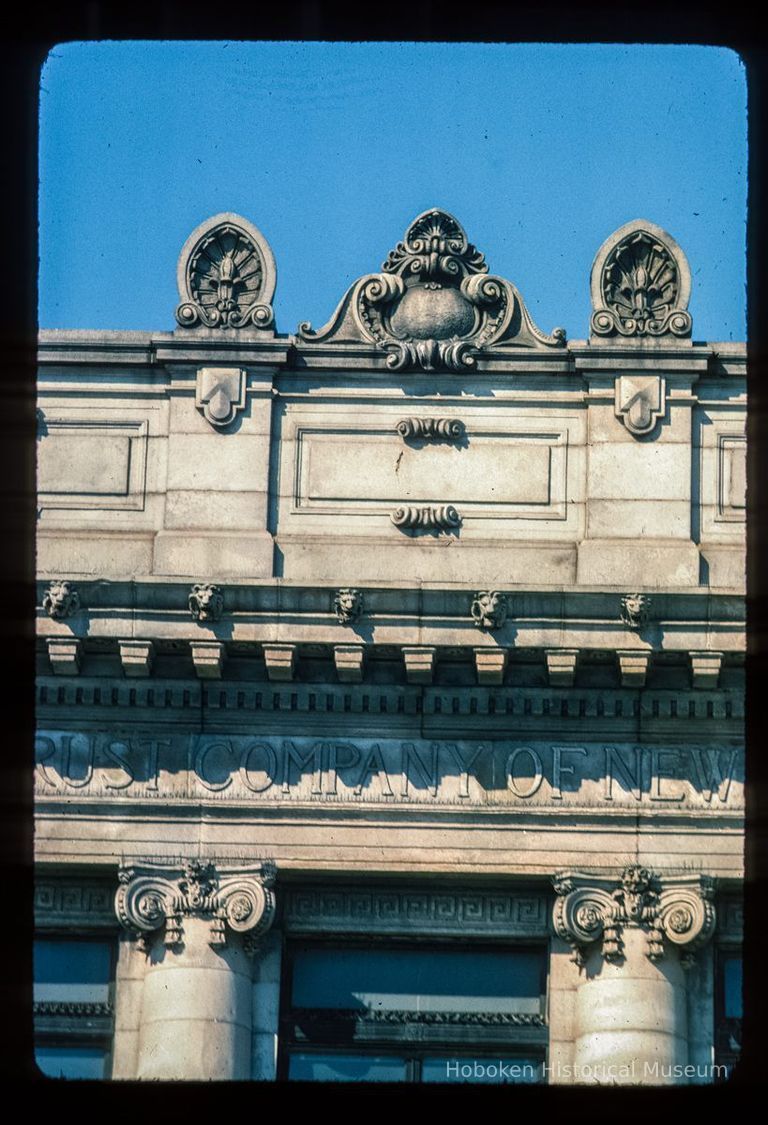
(287, 353)
(276, 610)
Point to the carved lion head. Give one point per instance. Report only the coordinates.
(489, 609)
(206, 601)
(635, 609)
(61, 599)
(348, 604)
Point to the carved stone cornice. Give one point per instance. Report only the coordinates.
(585, 712)
(405, 1016)
(592, 908)
(434, 306)
(154, 897)
(84, 1009)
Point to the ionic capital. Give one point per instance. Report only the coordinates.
(155, 897)
(595, 908)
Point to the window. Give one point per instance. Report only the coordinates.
(73, 1006)
(400, 1012)
(728, 1008)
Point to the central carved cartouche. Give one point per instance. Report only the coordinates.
(434, 306)
(640, 284)
(226, 277)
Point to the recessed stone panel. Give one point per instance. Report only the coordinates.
(732, 477)
(722, 465)
(350, 470)
(84, 463)
(93, 465)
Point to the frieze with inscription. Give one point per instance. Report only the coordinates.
(244, 769)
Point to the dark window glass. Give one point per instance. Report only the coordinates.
(73, 1006)
(728, 1009)
(72, 1062)
(72, 970)
(417, 980)
(413, 1013)
(732, 987)
(346, 1068)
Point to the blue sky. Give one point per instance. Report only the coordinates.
(331, 149)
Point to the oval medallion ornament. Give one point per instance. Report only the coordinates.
(226, 276)
(431, 312)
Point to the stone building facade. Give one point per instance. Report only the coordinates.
(390, 695)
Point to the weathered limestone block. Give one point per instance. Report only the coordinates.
(208, 658)
(561, 666)
(705, 669)
(633, 667)
(280, 661)
(348, 660)
(137, 657)
(490, 664)
(419, 663)
(65, 655)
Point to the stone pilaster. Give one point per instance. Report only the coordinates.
(632, 938)
(197, 925)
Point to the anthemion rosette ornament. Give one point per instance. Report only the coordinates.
(434, 306)
(640, 285)
(226, 276)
